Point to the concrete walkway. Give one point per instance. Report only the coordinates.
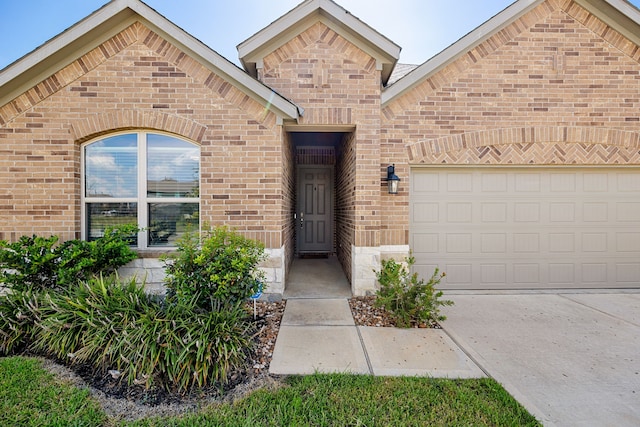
(570, 359)
(319, 335)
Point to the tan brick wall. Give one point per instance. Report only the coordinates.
(346, 203)
(557, 86)
(288, 198)
(137, 80)
(337, 84)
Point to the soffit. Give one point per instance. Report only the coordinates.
(108, 21)
(618, 14)
(254, 49)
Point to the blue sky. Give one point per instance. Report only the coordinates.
(421, 27)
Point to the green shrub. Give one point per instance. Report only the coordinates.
(406, 297)
(217, 269)
(19, 311)
(41, 263)
(31, 262)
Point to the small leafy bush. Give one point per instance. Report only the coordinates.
(217, 269)
(407, 298)
(41, 263)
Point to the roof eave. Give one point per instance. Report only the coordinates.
(108, 20)
(618, 14)
(252, 50)
(459, 48)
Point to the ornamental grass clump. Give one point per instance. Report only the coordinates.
(117, 328)
(88, 323)
(409, 299)
(19, 311)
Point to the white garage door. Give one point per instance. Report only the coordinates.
(527, 228)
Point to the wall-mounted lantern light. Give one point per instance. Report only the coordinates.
(392, 179)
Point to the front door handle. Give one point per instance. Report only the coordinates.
(301, 219)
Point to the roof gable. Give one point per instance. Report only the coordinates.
(108, 21)
(618, 14)
(254, 49)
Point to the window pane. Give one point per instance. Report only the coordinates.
(111, 167)
(103, 215)
(173, 167)
(169, 221)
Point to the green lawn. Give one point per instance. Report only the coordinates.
(30, 396)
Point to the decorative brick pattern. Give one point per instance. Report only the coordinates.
(531, 145)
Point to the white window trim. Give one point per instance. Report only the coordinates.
(142, 200)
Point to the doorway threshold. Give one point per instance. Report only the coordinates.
(317, 278)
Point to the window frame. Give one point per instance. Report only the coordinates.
(143, 200)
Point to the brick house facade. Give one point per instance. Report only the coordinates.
(544, 85)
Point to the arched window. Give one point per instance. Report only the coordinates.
(150, 179)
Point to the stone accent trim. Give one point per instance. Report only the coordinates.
(531, 145)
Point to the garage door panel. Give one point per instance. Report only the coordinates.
(528, 274)
(594, 242)
(628, 182)
(526, 212)
(493, 212)
(562, 242)
(562, 274)
(628, 242)
(595, 212)
(460, 274)
(527, 243)
(459, 182)
(494, 182)
(595, 273)
(628, 273)
(595, 182)
(493, 243)
(506, 228)
(459, 243)
(627, 211)
(527, 183)
(562, 212)
(493, 274)
(426, 212)
(562, 182)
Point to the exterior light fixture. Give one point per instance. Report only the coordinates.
(392, 179)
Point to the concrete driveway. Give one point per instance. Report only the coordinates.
(571, 359)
